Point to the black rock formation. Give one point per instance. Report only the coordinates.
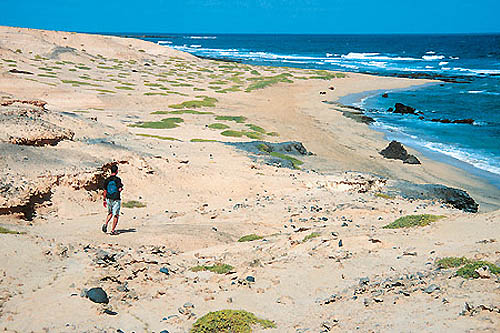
(396, 151)
(455, 197)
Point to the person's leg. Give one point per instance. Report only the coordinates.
(116, 213)
(108, 218)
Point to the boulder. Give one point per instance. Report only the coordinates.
(385, 95)
(396, 151)
(98, 295)
(405, 109)
(459, 199)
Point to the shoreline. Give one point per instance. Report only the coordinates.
(357, 101)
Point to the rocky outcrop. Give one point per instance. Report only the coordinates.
(29, 123)
(459, 199)
(458, 121)
(396, 151)
(404, 109)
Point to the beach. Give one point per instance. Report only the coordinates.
(314, 190)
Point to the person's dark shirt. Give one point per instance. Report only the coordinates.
(119, 185)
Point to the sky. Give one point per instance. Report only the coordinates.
(255, 16)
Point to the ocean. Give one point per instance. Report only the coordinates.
(468, 64)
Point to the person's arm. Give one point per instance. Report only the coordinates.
(120, 186)
(104, 203)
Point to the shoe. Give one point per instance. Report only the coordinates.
(104, 228)
(114, 233)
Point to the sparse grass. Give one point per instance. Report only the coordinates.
(235, 134)
(296, 163)
(182, 85)
(413, 221)
(124, 88)
(48, 75)
(264, 148)
(7, 231)
(383, 196)
(238, 119)
(133, 204)
(230, 89)
(249, 238)
(229, 321)
(217, 268)
(273, 134)
(106, 91)
(167, 138)
(326, 75)
(182, 112)
(253, 135)
(468, 267)
(155, 94)
(202, 140)
(205, 102)
(452, 262)
(256, 128)
(218, 126)
(80, 83)
(311, 236)
(263, 82)
(166, 123)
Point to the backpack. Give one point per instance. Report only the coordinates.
(112, 189)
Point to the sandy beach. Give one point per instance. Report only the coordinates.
(178, 126)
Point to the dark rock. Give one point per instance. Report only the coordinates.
(458, 121)
(164, 270)
(390, 110)
(396, 151)
(98, 295)
(16, 71)
(459, 199)
(385, 95)
(411, 160)
(404, 109)
(432, 288)
(250, 278)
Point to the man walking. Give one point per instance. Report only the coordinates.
(111, 199)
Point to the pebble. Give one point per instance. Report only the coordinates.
(250, 278)
(164, 270)
(432, 288)
(188, 305)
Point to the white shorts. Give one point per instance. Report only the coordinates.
(114, 207)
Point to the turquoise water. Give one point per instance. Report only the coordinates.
(469, 63)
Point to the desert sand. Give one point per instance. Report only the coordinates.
(74, 104)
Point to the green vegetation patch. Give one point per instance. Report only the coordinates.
(217, 268)
(468, 267)
(7, 231)
(218, 126)
(133, 204)
(273, 134)
(256, 128)
(80, 83)
(238, 119)
(182, 112)
(235, 134)
(383, 196)
(326, 75)
(264, 82)
(124, 88)
(167, 138)
(311, 236)
(413, 221)
(205, 102)
(202, 140)
(229, 321)
(166, 123)
(249, 238)
(296, 163)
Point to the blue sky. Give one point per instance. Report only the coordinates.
(255, 16)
